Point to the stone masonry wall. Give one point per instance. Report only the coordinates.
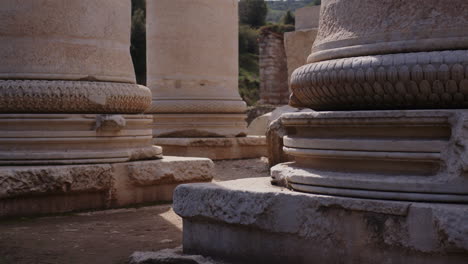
(273, 70)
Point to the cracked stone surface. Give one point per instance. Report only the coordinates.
(237, 215)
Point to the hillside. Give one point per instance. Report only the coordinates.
(277, 9)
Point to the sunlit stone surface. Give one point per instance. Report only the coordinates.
(193, 68)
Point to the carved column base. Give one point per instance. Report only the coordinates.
(41, 96)
(419, 80)
(192, 125)
(75, 139)
(215, 148)
(417, 155)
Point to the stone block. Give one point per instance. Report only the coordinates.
(307, 17)
(298, 45)
(169, 256)
(37, 190)
(251, 221)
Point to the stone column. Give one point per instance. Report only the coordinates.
(193, 68)
(415, 64)
(373, 186)
(67, 90)
(72, 132)
(193, 75)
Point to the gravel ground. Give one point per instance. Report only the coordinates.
(109, 236)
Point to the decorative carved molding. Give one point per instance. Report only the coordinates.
(423, 80)
(37, 96)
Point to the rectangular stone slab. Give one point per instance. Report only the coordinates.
(35, 190)
(254, 222)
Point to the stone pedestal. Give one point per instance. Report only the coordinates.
(416, 155)
(193, 68)
(250, 221)
(36, 190)
(71, 122)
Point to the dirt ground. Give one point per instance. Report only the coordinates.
(109, 236)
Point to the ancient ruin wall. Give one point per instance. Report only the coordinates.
(273, 69)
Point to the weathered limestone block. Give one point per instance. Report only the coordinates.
(193, 68)
(32, 190)
(274, 137)
(297, 45)
(170, 170)
(21, 181)
(251, 221)
(170, 256)
(307, 17)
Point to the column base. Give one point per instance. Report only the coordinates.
(411, 155)
(33, 139)
(215, 148)
(181, 125)
(35, 190)
(251, 221)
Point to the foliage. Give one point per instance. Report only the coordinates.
(253, 12)
(288, 18)
(252, 23)
(248, 39)
(249, 80)
(315, 2)
(276, 28)
(277, 9)
(138, 39)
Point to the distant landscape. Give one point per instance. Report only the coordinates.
(277, 9)
(279, 17)
(255, 16)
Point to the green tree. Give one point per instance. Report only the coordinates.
(253, 12)
(288, 18)
(138, 40)
(248, 39)
(315, 2)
